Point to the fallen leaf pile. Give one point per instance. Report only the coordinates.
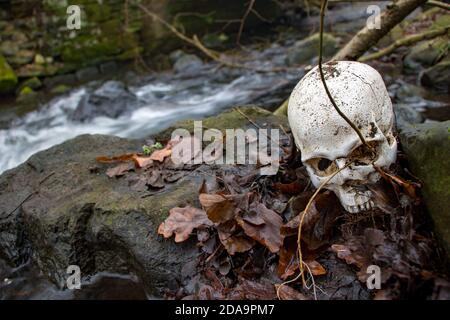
(147, 173)
(246, 229)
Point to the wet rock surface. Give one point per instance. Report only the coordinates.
(111, 100)
(305, 50)
(58, 210)
(427, 147)
(437, 76)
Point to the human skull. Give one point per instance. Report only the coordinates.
(326, 140)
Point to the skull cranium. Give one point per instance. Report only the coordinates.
(326, 140)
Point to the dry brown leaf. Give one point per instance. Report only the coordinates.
(288, 261)
(142, 162)
(252, 290)
(288, 293)
(138, 159)
(182, 221)
(233, 239)
(292, 188)
(408, 186)
(160, 155)
(121, 158)
(318, 223)
(316, 268)
(269, 233)
(383, 199)
(288, 257)
(345, 253)
(219, 208)
(119, 170)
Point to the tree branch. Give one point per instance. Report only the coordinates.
(405, 42)
(366, 38)
(439, 4)
(195, 42)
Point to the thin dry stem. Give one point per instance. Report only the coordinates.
(322, 77)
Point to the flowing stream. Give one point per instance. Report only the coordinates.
(163, 99)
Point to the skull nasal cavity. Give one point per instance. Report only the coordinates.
(323, 164)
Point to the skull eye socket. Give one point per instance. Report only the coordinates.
(361, 156)
(322, 166)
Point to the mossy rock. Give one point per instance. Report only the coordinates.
(8, 79)
(427, 147)
(426, 53)
(26, 94)
(89, 50)
(437, 77)
(305, 50)
(32, 83)
(231, 119)
(60, 89)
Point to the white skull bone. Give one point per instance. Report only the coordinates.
(326, 140)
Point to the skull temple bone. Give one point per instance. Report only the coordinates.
(327, 142)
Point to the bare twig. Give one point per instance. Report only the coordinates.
(303, 214)
(247, 117)
(439, 4)
(241, 27)
(322, 77)
(256, 13)
(195, 42)
(28, 197)
(407, 41)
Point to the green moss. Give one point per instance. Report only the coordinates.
(87, 49)
(33, 83)
(442, 21)
(305, 50)
(428, 149)
(230, 120)
(8, 79)
(26, 93)
(60, 89)
(97, 12)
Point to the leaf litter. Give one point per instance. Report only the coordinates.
(246, 228)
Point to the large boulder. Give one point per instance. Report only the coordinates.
(57, 209)
(425, 54)
(111, 100)
(187, 63)
(60, 208)
(406, 116)
(427, 147)
(305, 50)
(437, 76)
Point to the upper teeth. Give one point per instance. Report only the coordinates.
(358, 208)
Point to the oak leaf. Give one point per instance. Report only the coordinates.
(267, 233)
(182, 221)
